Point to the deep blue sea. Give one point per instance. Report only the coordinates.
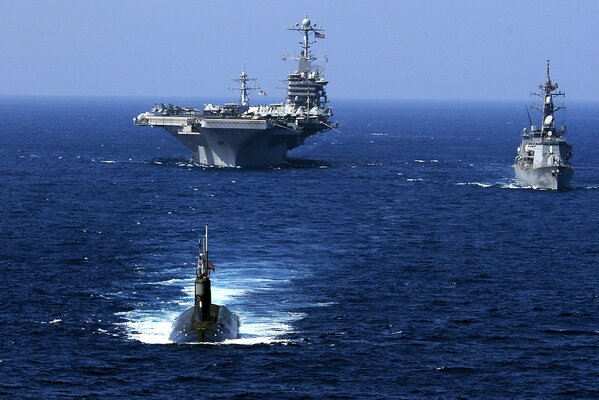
(396, 259)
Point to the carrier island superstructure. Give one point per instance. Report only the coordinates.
(243, 135)
(543, 160)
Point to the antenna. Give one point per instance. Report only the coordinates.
(528, 113)
(203, 265)
(206, 245)
(306, 27)
(244, 89)
(206, 264)
(202, 293)
(199, 263)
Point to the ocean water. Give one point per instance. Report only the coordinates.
(396, 259)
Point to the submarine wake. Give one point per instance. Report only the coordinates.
(249, 290)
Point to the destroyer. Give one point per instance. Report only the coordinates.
(543, 160)
(240, 135)
(204, 322)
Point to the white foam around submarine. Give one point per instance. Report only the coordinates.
(151, 327)
(155, 326)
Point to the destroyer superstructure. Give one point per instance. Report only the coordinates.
(241, 135)
(543, 160)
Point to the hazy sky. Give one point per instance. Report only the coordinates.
(425, 49)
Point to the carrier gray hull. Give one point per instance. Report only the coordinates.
(247, 147)
(553, 178)
(188, 328)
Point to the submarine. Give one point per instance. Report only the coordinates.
(204, 321)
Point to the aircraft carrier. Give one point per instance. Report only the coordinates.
(543, 160)
(242, 135)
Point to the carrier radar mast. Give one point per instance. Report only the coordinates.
(244, 89)
(305, 28)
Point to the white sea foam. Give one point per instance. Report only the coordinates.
(171, 281)
(151, 327)
(219, 295)
(253, 341)
(501, 185)
(108, 162)
(154, 327)
(479, 184)
(512, 185)
(54, 321)
(267, 328)
(325, 304)
(105, 332)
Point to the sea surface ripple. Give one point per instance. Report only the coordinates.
(396, 259)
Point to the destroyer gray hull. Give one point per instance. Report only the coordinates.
(553, 178)
(188, 328)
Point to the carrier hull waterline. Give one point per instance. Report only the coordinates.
(204, 321)
(230, 142)
(543, 160)
(241, 135)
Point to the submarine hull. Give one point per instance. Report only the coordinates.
(189, 328)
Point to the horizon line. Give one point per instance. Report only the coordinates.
(217, 98)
